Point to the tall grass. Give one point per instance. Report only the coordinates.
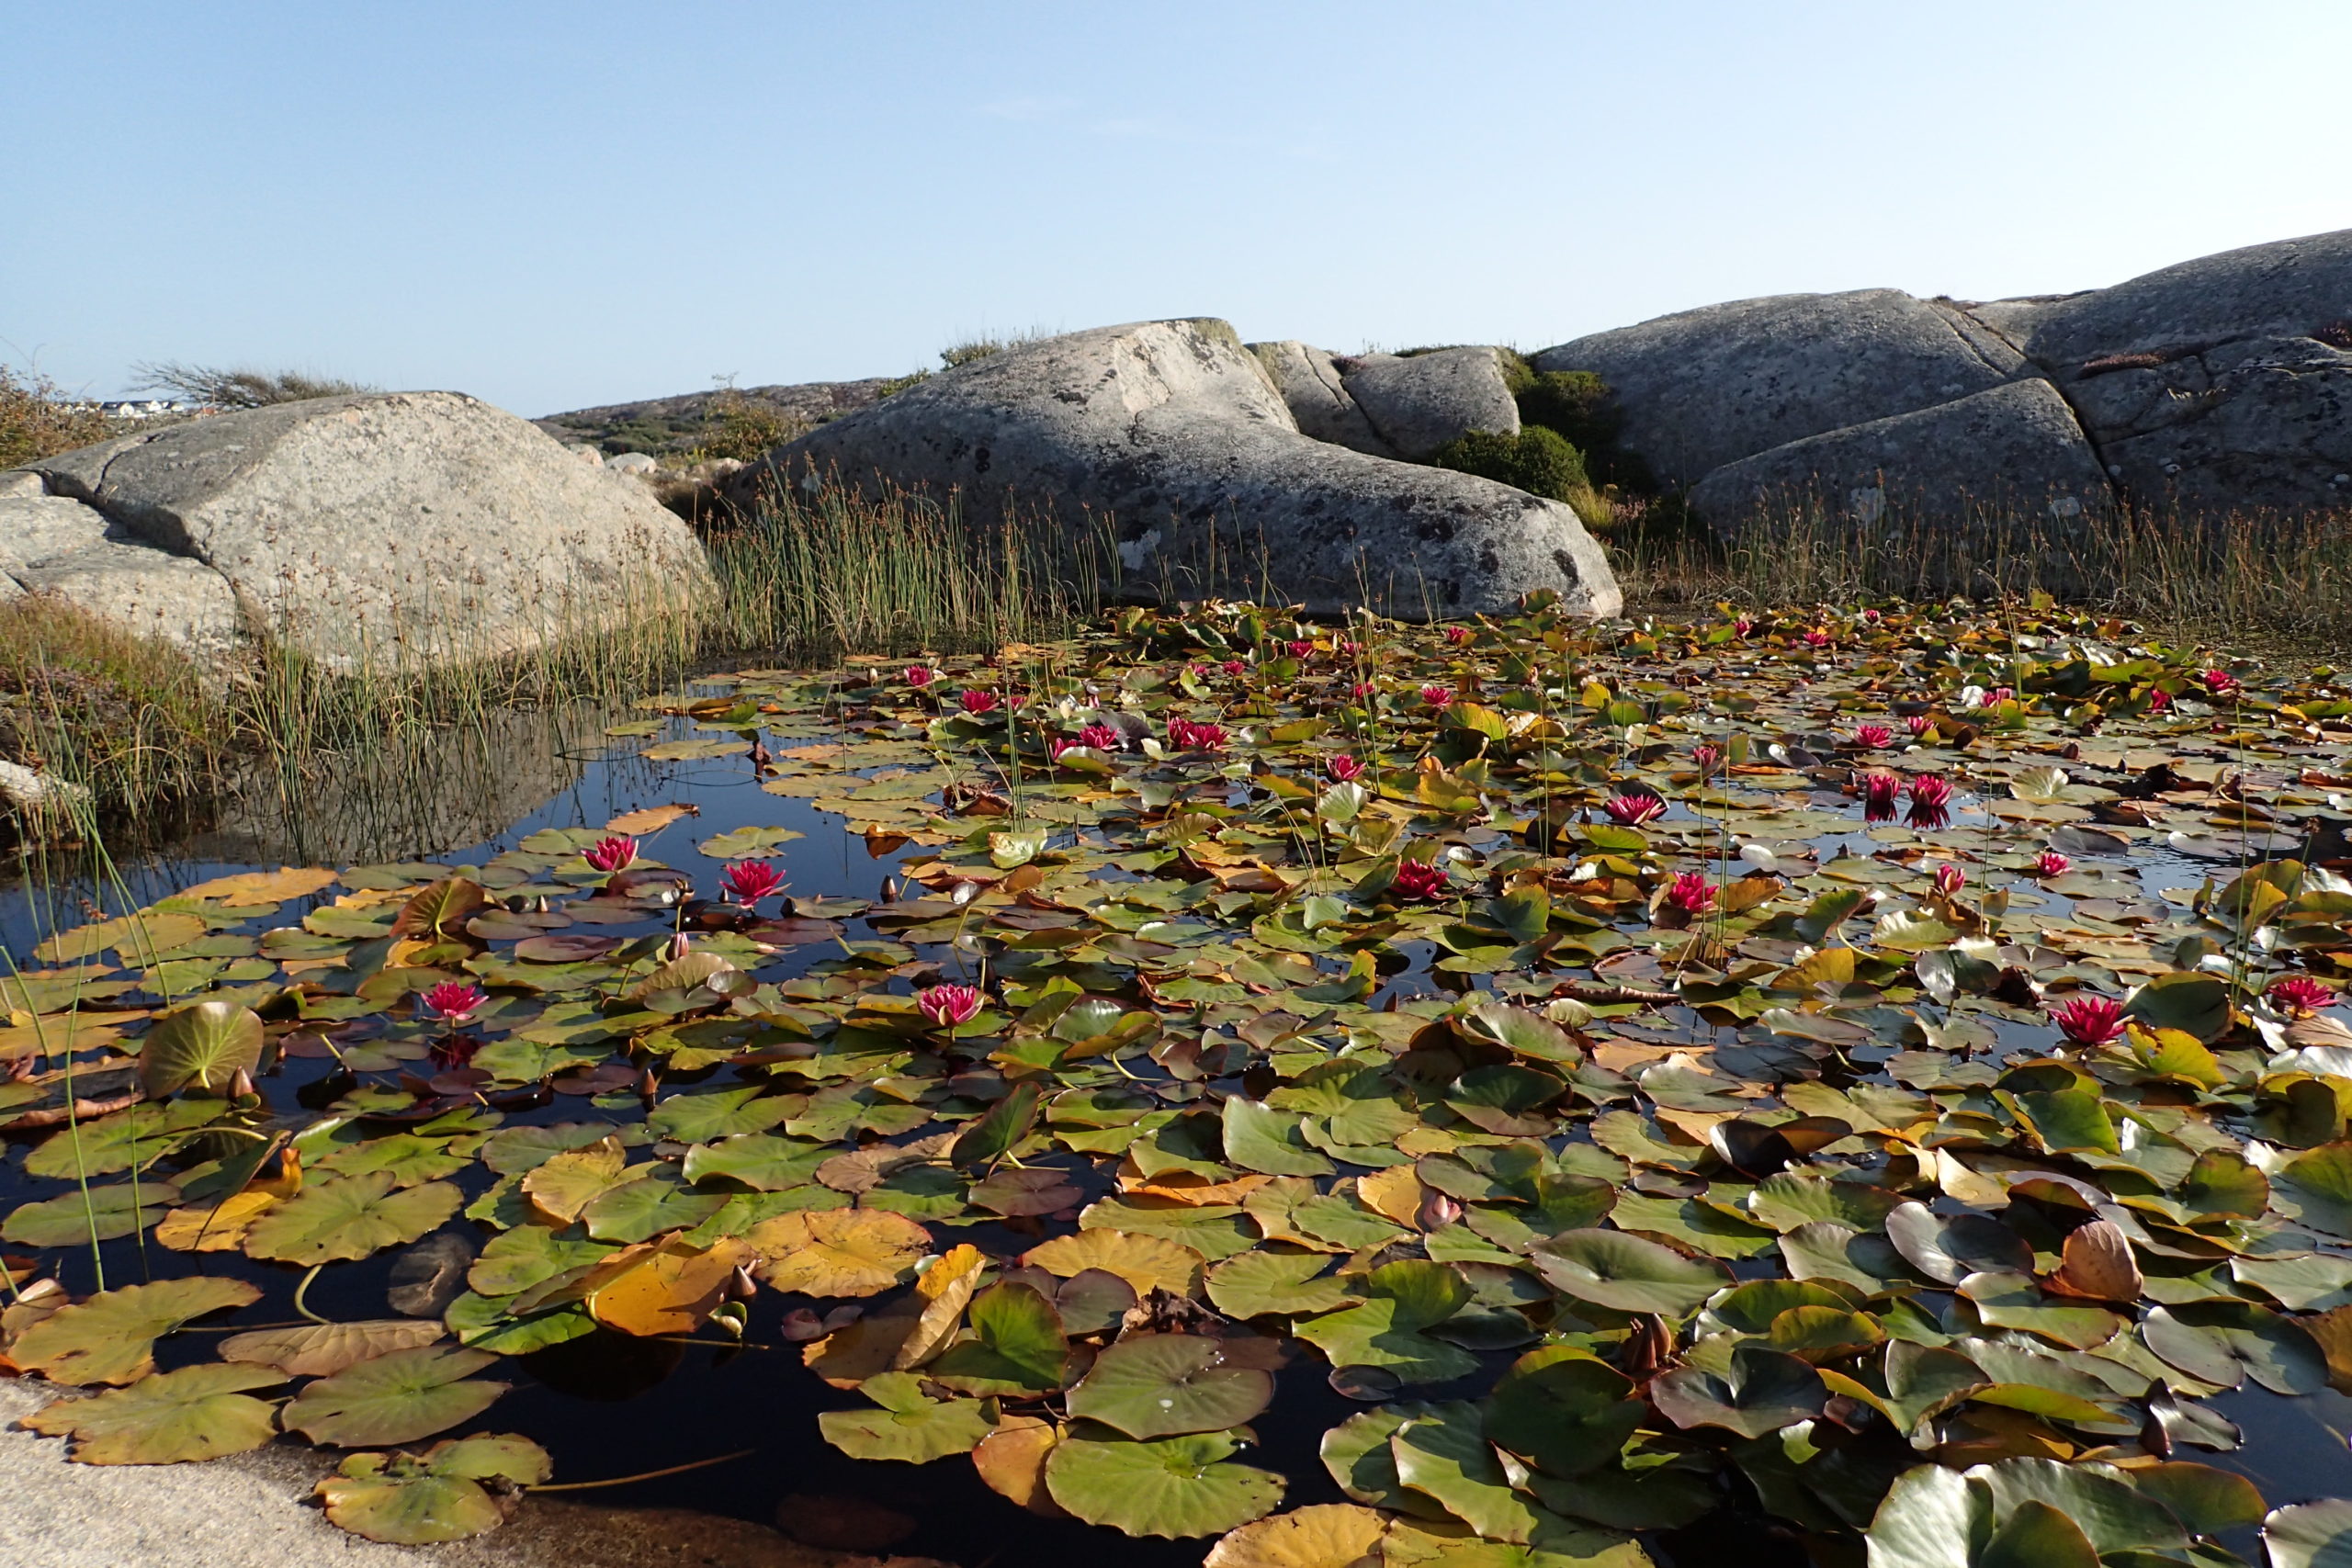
(806, 579)
(2260, 579)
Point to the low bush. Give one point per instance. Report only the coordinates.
(1538, 460)
(1575, 403)
(37, 423)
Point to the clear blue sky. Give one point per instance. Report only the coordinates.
(556, 205)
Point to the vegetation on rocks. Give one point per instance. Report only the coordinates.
(1537, 460)
(223, 387)
(37, 421)
(1866, 1077)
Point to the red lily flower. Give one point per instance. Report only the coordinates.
(2089, 1020)
(608, 855)
(1419, 879)
(947, 1005)
(749, 881)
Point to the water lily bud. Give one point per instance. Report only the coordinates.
(241, 1086)
(647, 1084)
(742, 1287)
(676, 949)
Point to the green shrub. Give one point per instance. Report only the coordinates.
(35, 423)
(1575, 403)
(1539, 461)
(745, 429)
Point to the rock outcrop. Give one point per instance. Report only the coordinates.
(1175, 431)
(1311, 387)
(1419, 403)
(2218, 386)
(381, 531)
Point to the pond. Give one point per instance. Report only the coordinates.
(1566, 1107)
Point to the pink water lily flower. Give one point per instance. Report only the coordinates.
(1183, 735)
(608, 855)
(1103, 737)
(2221, 683)
(2089, 1020)
(1691, 893)
(1419, 879)
(1361, 690)
(2159, 700)
(453, 1001)
(749, 881)
(977, 700)
(920, 675)
(1633, 809)
(1818, 639)
(2300, 996)
(1871, 737)
(1930, 801)
(1235, 668)
(1706, 754)
(1298, 648)
(1949, 879)
(2051, 863)
(1457, 636)
(1438, 696)
(947, 1005)
(1879, 791)
(1742, 626)
(1345, 769)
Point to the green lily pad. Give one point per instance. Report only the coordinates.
(909, 1427)
(110, 1337)
(440, 1494)
(706, 1116)
(350, 1216)
(1384, 1330)
(76, 1219)
(642, 1209)
(1626, 1273)
(1018, 1343)
(1562, 1410)
(2310, 1535)
(196, 1412)
(1289, 1283)
(1157, 1385)
(396, 1397)
(747, 843)
(1762, 1391)
(2224, 1342)
(135, 1138)
(1176, 1487)
(517, 1259)
(1268, 1141)
(1444, 1454)
(205, 1044)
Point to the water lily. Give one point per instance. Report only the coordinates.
(1879, 791)
(1419, 879)
(2051, 863)
(1818, 638)
(453, 1001)
(1299, 649)
(1362, 691)
(1457, 636)
(1706, 755)
(2089, 1020)
(1930, 801)
(611, 855)
(1346, 768)
(1633, 809)
(1438, 696)
(1691, 893)
(2300, 996)
(1870, 616)
(2221, 683)
(1871, 737)
(1183, 735)
(1103, 737)
(1999, 694)
(1919, 724)
(2159, 700)
(947, 1005)
(1742, 626)
(1352, 649)
(749, 881)
(1235, 668)
(920, 675)
(1437, 1211)
(977, 700)
(1949, 879)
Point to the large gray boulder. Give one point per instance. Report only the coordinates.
(1419, 403)
(1174, 430)
(1308, 379)
(389, 531)
(1701, 388)
(2013, 451)
(2218, 385)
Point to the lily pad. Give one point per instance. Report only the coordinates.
(350, 1216)
(1626, 1273)
(396, 1397)
(109, 1338)
(1175, 1487)
(456, 1489)
(1157, 1385)
(196, 1412)
(909, 1427)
